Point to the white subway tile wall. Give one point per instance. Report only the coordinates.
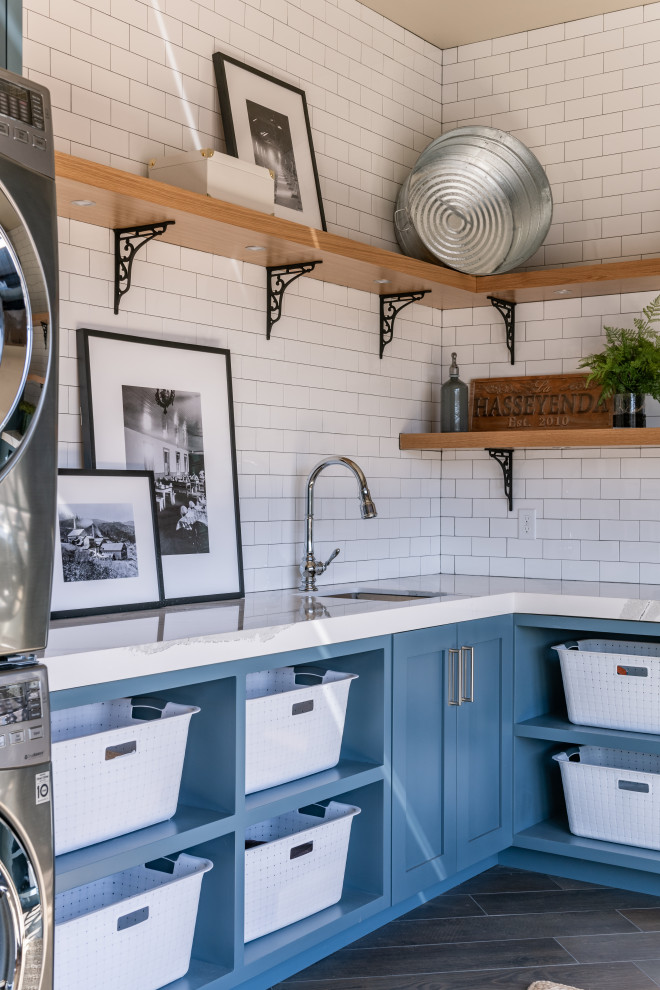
(598, 510)
(585, 97)
(131, 80)
(316, 388)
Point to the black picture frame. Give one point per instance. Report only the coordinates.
(103, 448)
(227, 72)
(149, 530)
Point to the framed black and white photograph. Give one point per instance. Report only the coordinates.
(167, 408)
(266, 122)
(107, 556)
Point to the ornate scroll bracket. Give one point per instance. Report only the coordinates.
(390, 307)
(505, 460)
(507, 311)
(279, 278)
(128, 241)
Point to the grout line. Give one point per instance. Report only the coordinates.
(646, 974)
(566, 950)
(477, 905)
(621, 910)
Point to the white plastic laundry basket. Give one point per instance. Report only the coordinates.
(294, 865)
(612, 683)
(612, 794)
(294, 723)
(133, 930)
(116, 767)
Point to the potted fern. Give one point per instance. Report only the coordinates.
(629, 367)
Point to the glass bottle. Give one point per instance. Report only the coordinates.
(454, 402)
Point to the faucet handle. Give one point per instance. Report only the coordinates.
(335, 553)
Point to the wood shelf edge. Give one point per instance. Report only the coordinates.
(531, 439)
(573, 275)
(212, 225)
(122, 198)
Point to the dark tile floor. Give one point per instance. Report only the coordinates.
(503, 930)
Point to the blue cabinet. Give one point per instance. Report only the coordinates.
(423, 762)
(452, 750)
(484, 740)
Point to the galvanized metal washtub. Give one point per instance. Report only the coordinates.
(477, 199)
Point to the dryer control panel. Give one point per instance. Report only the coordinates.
(24, 716)
(26, 129)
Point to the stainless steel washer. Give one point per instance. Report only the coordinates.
(28, 363)
(26, 830)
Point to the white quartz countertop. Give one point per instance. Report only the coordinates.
(114, 647)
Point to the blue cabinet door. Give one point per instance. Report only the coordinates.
(423, 762)
(485, 740)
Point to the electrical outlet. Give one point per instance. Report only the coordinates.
(526, 524)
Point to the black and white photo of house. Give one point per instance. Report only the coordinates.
(273, 148)
(163, 433)
(97, 541)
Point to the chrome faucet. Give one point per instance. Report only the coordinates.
(311, 568)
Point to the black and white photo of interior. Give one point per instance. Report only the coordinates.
(273, 148)
(163, 433)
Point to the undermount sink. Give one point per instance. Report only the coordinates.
(386, 596)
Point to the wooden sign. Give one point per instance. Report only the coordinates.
(537, 401)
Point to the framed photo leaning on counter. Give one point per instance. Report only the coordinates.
(167, 407)
(107, 557)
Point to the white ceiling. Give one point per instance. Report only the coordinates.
(446, 23)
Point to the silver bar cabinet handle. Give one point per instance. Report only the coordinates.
(465, 652)
(455, 678)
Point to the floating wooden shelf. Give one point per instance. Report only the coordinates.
(522, 439)
(121, 199)
(205, 224)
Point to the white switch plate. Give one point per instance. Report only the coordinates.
(526, 524)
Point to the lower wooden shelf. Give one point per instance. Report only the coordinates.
(522, 439)
(553, 836)
(557, 728)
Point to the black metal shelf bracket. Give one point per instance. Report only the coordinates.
(390, 307)
(507, 310)
(279, 279)
(128, 241)
(504, 458)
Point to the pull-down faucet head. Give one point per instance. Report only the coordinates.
(367, 507)
(310, 568)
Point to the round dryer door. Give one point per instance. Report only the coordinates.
(21, 919)
(24, 323)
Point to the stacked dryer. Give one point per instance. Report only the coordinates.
(28, 480)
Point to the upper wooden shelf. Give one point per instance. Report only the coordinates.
(522, 439)
(121, 199)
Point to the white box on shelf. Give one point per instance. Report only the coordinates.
(221, 176)
(132, 930)
(612, 794)
(116, 767)
(294, 865)
(294, 723)
(614, 684)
